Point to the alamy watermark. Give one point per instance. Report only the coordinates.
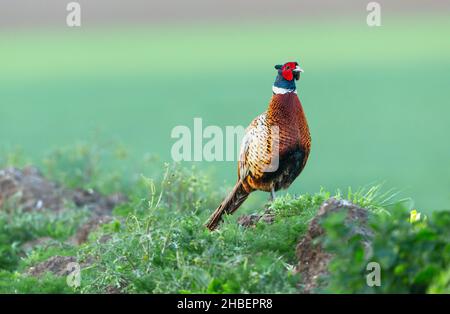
(373, 278)
(73, 19)
(374, 16)
(231, 143)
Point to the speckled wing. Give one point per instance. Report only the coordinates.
(256, 149)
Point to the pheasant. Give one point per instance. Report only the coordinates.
(275, 147)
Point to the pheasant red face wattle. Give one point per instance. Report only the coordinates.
(288, 69)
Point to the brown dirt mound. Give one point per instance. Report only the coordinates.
(95, 201)
(31, 188)
(91, 225)
(251, 220)
(58, 265)
(32, 191)
(313, 260)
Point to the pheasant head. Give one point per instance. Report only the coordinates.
(288, 73)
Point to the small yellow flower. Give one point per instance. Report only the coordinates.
(414, 216)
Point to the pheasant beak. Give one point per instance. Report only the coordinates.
(298, 69)
(297, 72)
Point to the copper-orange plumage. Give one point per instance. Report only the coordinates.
(275, 147)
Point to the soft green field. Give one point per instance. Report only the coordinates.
(376, 98)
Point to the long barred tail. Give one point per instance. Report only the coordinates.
(229, 205)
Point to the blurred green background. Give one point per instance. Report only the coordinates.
(377, 98)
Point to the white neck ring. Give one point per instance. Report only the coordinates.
(279, 90)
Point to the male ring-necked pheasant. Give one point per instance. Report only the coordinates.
(275, 146)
